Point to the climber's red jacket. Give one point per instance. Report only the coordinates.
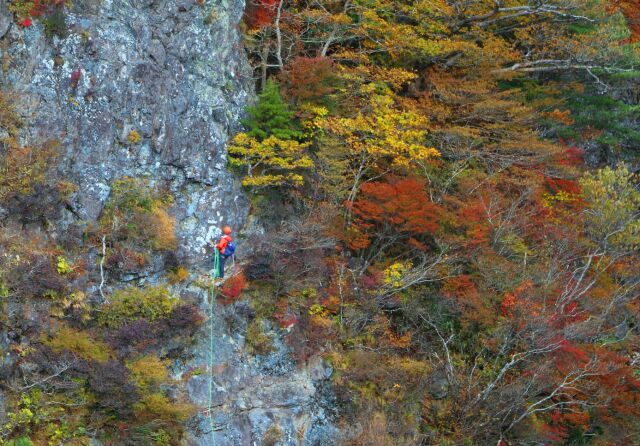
(222, 244)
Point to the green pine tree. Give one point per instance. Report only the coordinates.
(271, 116)
(272, 151)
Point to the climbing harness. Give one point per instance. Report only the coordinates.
(216, 274)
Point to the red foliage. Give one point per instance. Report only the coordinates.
(26, 23)
(513, 298)
(233, 287)
(570, 357)
(400, 206)
(41, 7)
(572, 156)
(556, 185)
(259, 13)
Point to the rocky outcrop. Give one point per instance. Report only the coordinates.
(144, 88)
(255, 398)
(154, 88)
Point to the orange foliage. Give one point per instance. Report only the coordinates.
(233, 287)
(473, 217)
(463, 291)
(306, 78)
(259, 13)
(401, 206)
(514, 297)
(631, 11)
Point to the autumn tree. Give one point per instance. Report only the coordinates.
(270, 151)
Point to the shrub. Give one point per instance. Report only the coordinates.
(109, 380)
(136, 214)
(24, 168)
(157, 406)
(233, 287)
(134, 137)
(10, 121)
(273, 435)
(129, 336)
(79, 343)
(159, 228)
(130, 304)
(35, 277)
(124, 260)
(51, 12)
(55, 23)
(257, 342)
(148, 372)
(62, 266)
(178, 275)
(22, 441)
(184, 317)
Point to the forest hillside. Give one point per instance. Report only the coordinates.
(435, 208)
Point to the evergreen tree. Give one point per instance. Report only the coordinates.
(270, 152)
(271, 116)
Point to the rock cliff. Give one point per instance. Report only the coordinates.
(144, 88)
(153, 89)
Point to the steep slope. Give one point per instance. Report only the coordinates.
(141, 88)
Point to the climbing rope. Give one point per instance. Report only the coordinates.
(216, 274)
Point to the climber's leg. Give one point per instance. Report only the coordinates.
(221, 266)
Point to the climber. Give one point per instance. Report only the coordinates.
(224, 249)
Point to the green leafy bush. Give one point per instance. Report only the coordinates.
(134, 303)
(22, 441)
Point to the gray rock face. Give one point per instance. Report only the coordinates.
(255, 398)
(171, 71)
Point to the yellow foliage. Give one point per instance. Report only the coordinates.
(78, 342)
(160, 229)
(62, 266)
(384, 133)
(148, 372)
(394, 273)
(179, 275)
(269, 162)
(134, 137)
(156, 406)
(613, 202)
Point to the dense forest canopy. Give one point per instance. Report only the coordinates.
(450, 196)
(465, 174)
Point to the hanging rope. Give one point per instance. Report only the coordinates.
(216, 274)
